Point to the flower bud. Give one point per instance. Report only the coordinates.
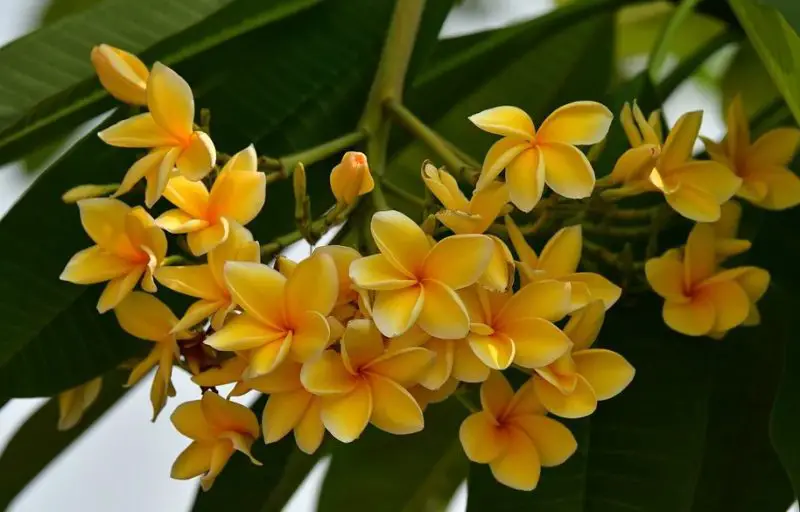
(351, 178)
(122, 74)
(72, 403)
(75, 194)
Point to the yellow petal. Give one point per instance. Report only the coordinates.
(284, 378)
(524, 403)
(524, 251)
(481, 439)
(438, 372)
(122, 74)
(499, 275)
(243, 332)
(519, 466)
(537, 341)
(244, 160)
(699, 255)
(189, 196)
(496, 395)
(310, 336)
(346, 416)
(197, 158)
(584, 325)
(239, 246)
(394, 410)
(607, 372)
(753, 189)
(158, 177)
(496, 350)
(525, 178)
(709, 177)
(467, 367)
(731, 304)
(507, 121)
(310, 431)
(327, 375)
(144, 366)
(443, 314)
(738, 138)
(775, 148)
(283, 413)
(361, 343)
(144, 167)
(404, 366)
(206, 239)
(103, 219)
(179, 222)
(567, 171)
(189, 420)
(144, 316)
(629, 126)
(139, 131)
(230, 371)
(562, 253)
(170, 101)
(488, 203)
(194, 461)
(395, 311)
(543, 299)
(754, 281)
(694, 204)
(442, 184)
(782, 188)
(313, 286)
(635, 164)
(238, 195)
(577, 123)
(695, 318)
(401, 240)
(195, 280)
(95, 265)
(499, 156)
(227, 416)
(598, 288)
(343, 257)
(258, 289)
(666, 277)
(118, 288)
(266, 358)
(220, 455)
(377, 273)
(198, 313)
(678, 147)
(554, 442)
(578, 404)
(458, 260)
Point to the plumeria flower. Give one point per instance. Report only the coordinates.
(473, 216)
(168, 130)
(700, 298)
(532, 158)
(122, 74)
(129, 247)
(207, 282)
(236, 197)
(571, 385)
(364, 383)
(73, 403)
(726, 230)
(559, 260)
(513, 435)
(762, 165)
(416, 281)
(217, 428)
(518, 328)
(282, 316)
(145, 317)
(351, 178)
(644, 135)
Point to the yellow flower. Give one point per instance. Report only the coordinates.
(342, 257)
(513, 435)
(145, 317)
(351, 178)
(207, 282)
(217, 428)
(281, 316)
(122, 74)
(415, 280)
(699, 298)
(762, 165)
(694, 189)
(726, 229)
(236, 197)
(571, 386)
(365, 383)
(559, 260)
(72, 403)
(532, 158)
(473, 216)
(518, 328)
(168, 129)
(129, 246)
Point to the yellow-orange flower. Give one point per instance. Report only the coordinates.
(129, 246)
(571, 386)
(726, 230)
(416, 281)
(145, 317)
(365, 383)
(217, 428)
(168, 129)
(122, 74)
(699, 298)
(236, 197)
(762, 165)
(207, 281)
(532, 158)
(72, 403)
(281, 316)
(351, 178)
(513, 435)
(559, 260)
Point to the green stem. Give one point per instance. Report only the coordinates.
(403, 194)
(317, 228)
(378, 197)
(466, 402)
(317, 153)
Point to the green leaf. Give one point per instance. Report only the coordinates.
(298, 466)
(790, 10)
(54, 10)
(381, 471)
(777, 45)
(746, 76)
(37, 442)
(36, 102)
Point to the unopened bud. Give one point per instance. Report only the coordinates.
(122, 74)
(351, 178)
(75, 194)
(429, 225)
(299, 183)
(74, 402)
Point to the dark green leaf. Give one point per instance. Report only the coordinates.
(298, 466)
(790, 10)
(54, 10)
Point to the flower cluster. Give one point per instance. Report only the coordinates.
(341, 339)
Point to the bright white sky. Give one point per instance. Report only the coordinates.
(123, 462)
